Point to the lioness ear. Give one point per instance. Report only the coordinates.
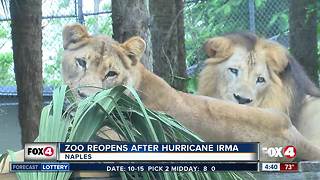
(134, 48)
(218, 49)
(277, 56)
(72, 34)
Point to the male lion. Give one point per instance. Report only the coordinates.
(253, 71)
(102, 62)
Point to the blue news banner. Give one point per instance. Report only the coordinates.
(124, 152)
(120, 156)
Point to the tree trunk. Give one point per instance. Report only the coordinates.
(168, 41)
(27, 55)
(303, 35)
(131, 18)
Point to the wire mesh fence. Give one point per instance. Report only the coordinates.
(203, 19)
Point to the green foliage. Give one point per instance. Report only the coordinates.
(192, 84)
(6, 57)
(106, 7)
(3, 33)
(210, 18)
(52, 74)
(99, 24)
(64, 4)
(128, 117)
(272, 18)
(6, 69)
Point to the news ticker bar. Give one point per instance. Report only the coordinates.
(141, 152)
(131, 167)
(157, 167)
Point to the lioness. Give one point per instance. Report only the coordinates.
(102, 62)
(253, 71)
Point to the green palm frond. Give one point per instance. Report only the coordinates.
(125, 115)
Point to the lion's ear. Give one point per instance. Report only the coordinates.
(218, 48)
(134, 48)
(277, 57)
(72, 34)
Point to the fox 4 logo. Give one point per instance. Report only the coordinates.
(279, 152)
(46, 151)
(40, 151)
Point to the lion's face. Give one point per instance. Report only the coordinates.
(94, 62)
(242, 79)
(242, 70)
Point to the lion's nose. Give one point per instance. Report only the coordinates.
(82, 95)
(242, 100)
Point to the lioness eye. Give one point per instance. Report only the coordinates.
(261, 80)
(81, 62)
(234, 71)
(111, 74)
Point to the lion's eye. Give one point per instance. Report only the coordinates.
(261, 80)
(111, 74)
(81, 62)
(234, 71)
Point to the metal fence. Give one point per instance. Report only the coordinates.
(265, 17)
(270, 19)
(203, 19)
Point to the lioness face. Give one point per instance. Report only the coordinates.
(242, 78)
(91, 63)
(242, 68)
